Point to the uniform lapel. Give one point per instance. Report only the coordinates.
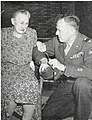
(61, 50)
(76, 47)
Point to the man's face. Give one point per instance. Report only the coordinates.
(20, 23)
(64, 31)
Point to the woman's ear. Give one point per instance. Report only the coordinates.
(12, 21)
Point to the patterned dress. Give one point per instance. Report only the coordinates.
(18, 81)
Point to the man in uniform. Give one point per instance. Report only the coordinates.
(73, 97)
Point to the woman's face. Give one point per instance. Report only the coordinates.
(20, 22)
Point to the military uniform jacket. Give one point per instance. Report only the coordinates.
(78, 61)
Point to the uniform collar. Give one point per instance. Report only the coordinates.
(76, 46)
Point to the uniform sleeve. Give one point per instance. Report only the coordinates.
(50, 47)
(37, 55)
(86, 69)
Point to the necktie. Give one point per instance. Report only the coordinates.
(66, 50)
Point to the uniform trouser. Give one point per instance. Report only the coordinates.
(70, 98)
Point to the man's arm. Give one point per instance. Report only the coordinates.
(40, 57)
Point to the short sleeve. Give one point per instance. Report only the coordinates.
(35, 37)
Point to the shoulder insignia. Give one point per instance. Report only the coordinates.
(87, 39)
(77, 55)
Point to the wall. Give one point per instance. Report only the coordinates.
(43, 14)
(84, 11)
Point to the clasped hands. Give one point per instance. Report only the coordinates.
(54, 63)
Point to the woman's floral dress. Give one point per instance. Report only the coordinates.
(18, 81)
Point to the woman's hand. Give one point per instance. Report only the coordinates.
(32, 65)
(41, 46)
(55, 63)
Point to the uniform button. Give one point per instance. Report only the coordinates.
(80, 69)
(89, 41)
(55, 73)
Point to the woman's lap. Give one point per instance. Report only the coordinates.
(19, 84)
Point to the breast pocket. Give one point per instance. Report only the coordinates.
(77, 59)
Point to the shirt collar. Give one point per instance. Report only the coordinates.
(71, 40)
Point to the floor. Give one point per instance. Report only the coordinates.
(47, 91)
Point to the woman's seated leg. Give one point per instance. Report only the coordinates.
(12, 107)
(28, 111)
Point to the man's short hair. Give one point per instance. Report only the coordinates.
(21, 11)
(71, 19)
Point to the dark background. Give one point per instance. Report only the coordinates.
(43, 14)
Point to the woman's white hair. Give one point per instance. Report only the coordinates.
(22, 12)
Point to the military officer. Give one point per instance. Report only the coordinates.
(74, 59)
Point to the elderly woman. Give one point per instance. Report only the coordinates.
(18, 81)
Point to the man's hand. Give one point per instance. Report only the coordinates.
(43, 67)
(55, 63)
(41, 46)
